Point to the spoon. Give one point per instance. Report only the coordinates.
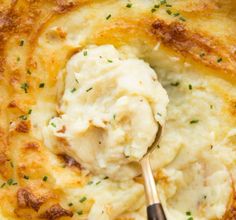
(154, 208)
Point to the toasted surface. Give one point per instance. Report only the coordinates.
(192, 47)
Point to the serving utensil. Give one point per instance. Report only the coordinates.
(154, 208)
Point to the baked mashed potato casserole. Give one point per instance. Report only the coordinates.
(83, 84)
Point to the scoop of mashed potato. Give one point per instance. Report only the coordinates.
(109, 111)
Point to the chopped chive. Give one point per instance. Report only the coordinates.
(45, 178)
(25, 87)
(182, 19)
(106, 177)
(11, 163)
(202, 54)
(22, 43)
(190, 218)
(53, 124)
(83, 199)
(219, 60)
(2, 185)
(188, 213)
(159, 114)
(211, 106)
(14, 183)
(194, 121)
(26, 177)
(114, 117)
(153, 10)
(89, 89)
(23, 117)
(29, 72)
(109, 61)
(176, 14)
(108, 17)
(98, 182)
(174, 84)
(168, 5)
(70, 204)
(30, 111)
(85, 53)
(73, 90)
(169, 12)
(163, 2)
(90, 183)
(10, 182)
(41, 85)
(156, 6)
(129, 5)
(80, 212)
(190, 87)
(18, 59)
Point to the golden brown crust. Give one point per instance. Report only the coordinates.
(69, 161)
(29, 22)
(231, 212)
(26, 199)
(55, 212)
(23, 127)
(204, 49)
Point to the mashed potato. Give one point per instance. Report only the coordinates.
(191, 47)
(109, 111)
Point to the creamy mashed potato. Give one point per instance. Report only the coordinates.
(109, 111)
(189, 44)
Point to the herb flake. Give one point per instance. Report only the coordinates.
(41, 85)
(80, 212)
(175, 84)
(176, 14)
(162, 2)
(53, 124)
(90, 183)
(10, 182)
(219, 60)
(73, 90)
(169, 12)
(194, 121)
(153, 10)
(25, 87)
(108, 17)
(83, 199)
(89, 89)
(182, 19)
(21, 43)
(97, 183)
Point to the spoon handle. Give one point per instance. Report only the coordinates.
(155, 212)
(154, 208)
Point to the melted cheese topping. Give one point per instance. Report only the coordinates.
(109, 111)
(191, 47)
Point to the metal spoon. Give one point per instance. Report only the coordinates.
(154, 208)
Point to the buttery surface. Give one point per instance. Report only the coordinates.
(190, 44)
